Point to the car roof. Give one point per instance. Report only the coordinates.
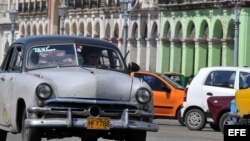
(226, 68)
(62, 39)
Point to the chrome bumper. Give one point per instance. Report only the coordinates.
(69, 122)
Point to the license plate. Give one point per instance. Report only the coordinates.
(98, 123)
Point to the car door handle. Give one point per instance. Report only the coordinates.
(2, 78)
(209, 94)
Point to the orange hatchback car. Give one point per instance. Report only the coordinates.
(168, 94)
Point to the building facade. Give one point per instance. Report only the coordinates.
(201, 33)
(100, 19)
(163, 35)
(5, 27)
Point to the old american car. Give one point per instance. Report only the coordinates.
(47, 91)
(219, 107)
(168, 94)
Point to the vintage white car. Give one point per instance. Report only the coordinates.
(49, 89)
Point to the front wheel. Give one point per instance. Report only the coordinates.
(29, 134)
(136, 136)
(3, 135)
(88, 139)
(195, 119)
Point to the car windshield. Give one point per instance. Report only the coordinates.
(74, 55)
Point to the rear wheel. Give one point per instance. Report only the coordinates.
(3, 135)
(29, 134)
(225, 120)
(195, 119)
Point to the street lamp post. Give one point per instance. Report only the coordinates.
(63, 9)
(13, 17)
(237, 7)
(124, 8)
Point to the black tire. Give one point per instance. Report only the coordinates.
(243, 121)
(88, 139)
(214, 126)
(195, 119)
(136, 136)
(180, 120)
(3, 135)
(29, 134)
(225, 119)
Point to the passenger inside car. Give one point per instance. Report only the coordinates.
(92, 57)
(34, 59)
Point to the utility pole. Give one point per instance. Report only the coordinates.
(124, 8)
(63, 10)
(13, 17)
(237, 8)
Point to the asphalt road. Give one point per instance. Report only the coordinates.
(170, 130)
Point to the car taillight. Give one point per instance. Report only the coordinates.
(185, 94)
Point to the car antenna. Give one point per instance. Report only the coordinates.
(125, 57)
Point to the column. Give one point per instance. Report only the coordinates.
(175, 55)
(227, 53)
(200, 55)
(214, 52)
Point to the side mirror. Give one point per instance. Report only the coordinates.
(133, 67)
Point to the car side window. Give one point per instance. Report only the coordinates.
(244, 80)
(6, 62)
(13, 60)
(17, 60)
(152, 81)
(221, 79)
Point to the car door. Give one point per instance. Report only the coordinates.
(11, 67)
(164, 99)
(218, 83)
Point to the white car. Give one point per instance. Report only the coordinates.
(210, 81)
